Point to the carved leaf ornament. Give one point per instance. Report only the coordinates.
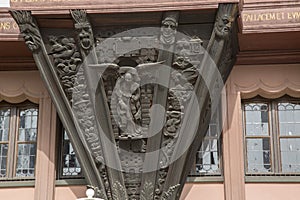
(128, 101)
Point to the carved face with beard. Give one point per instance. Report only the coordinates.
(223, 26)
(31, 36)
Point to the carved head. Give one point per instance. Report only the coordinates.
(183, 47)
(85, 37)
(28, 29)
(224, 21)
(223, 26)
(130, 74)
(85, 31)
(168, 30)
(31, 36)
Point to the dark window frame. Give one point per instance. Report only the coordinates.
(218, 176)
(60, 155)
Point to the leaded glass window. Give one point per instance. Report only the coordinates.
(272, 136)
(258, 141)
(4, 140)
(289, 136)
(207, 162)
(18, 140)
(69, 165)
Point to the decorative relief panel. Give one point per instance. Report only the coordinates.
(66, 59)
(111, 92)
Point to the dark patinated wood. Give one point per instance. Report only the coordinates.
(95, 83)
(33, 39)
(160, 96)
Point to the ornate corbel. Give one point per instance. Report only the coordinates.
(72, 72)
(215, 68)
(28, 28)
(62, 48)
(84, 29)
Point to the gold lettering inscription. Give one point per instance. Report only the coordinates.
(7, 26)
(296, 15)
(4, 25)
(271, 16)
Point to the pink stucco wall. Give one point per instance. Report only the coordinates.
(272, 191)
(17, 193)
(207, 191)
(69, 193)
(244, 82)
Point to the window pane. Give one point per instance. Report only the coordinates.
(289, 119)
(4, 124)
(26, 160)
(28, 125)
(257, 119)
(290, 154)
(71, 166)
(3, 159)
(207, 158)
(258, 155)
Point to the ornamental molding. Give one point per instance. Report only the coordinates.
(16, 87)
(283, 80)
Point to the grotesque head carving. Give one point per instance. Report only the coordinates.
(31, 36)
(28, 29)
(83, 26)
(168, 30)
(85, 37)
(223, 26)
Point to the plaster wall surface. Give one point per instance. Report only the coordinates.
(69, 193)
(17, 193)
(272, 191)
(213, 191)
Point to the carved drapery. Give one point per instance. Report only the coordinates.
(105, 93)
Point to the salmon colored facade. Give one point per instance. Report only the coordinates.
(245, 81)
(268, 65)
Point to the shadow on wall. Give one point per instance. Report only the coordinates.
(186, 190)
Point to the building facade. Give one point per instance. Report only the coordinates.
(255, 156)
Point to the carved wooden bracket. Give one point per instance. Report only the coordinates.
(109, 93)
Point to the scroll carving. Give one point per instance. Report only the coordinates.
(28, 29)
(66, 59)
